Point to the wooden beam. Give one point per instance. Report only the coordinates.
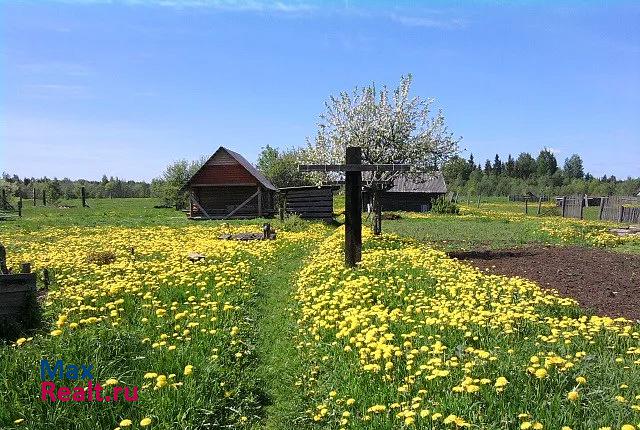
(243, 204)
(354, 167)
(197, 203)
(353, 209)
(231, 184)
(259, 201)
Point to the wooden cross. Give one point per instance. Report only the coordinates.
(353, 169)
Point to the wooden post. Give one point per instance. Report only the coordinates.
(582, 200)
(526, 206)
(539, 204)
(282, 205)
(564, 200)
(3, 260)
(44, 197)
(259, 201)
(377, 213)
(353, 209)
(601, 208)
(45, 278)
(25, 268)
(621, 214)
(34, 196)
(83, 194)
(20, 207)
(190, 206)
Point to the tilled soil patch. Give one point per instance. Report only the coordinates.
(608, 283)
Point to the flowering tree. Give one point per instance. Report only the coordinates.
(390, 128)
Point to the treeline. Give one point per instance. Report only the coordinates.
(540, 175)
(63, 189)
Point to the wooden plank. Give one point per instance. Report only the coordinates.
(259, 201)
(197, 203)
(354, 167)
(243, 204)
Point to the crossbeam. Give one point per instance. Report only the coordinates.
(368, 182)
(354, 167)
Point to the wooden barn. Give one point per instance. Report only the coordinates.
(411, 193)
(228, 186)
(310, 202)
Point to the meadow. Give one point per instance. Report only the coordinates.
(279, 335)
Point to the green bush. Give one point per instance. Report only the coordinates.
(443, 206)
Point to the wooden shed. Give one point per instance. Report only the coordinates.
(310, 202)
(411, 193)
(228, 186)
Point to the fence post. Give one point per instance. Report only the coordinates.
(564, 201)
(84, 197)
(582, 200)
(20, 207)
(539, 205)
(621, 215)
(526, 206)
(25, 268)
(601, 208)
(34, 196)
(44, 197)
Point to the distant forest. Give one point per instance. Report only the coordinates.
(63, 189)
(513, 176)
(540, 175)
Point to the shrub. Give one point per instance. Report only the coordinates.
(443, 206)
(292, 222)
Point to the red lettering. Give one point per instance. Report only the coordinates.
(78, 394)
(47, 389)
(64, 394)
(133, 398)
(98, 390)
(116, 391)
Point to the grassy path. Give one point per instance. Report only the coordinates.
(279, 362)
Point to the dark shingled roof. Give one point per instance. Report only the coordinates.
(427, 182)
(244, 163)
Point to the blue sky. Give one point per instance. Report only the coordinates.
(125, 87)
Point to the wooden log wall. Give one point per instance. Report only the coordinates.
(14, 292)
(310, 203)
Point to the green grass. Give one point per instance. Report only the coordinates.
(451, 232)
(288, 298)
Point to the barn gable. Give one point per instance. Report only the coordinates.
(228, 186)
(228, 167)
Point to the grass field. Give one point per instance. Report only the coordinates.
(279, 335)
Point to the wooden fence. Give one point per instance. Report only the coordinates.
(528, 197)
(14, 293)
(611, 208)
(620, 209)
(309, 202)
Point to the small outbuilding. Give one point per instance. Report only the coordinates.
(228, 186)
(413, 193)
(310, 202)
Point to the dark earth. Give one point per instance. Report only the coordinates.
(605, 282)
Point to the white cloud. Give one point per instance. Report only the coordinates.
(430, 21)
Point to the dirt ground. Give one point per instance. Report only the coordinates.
(606, 282)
